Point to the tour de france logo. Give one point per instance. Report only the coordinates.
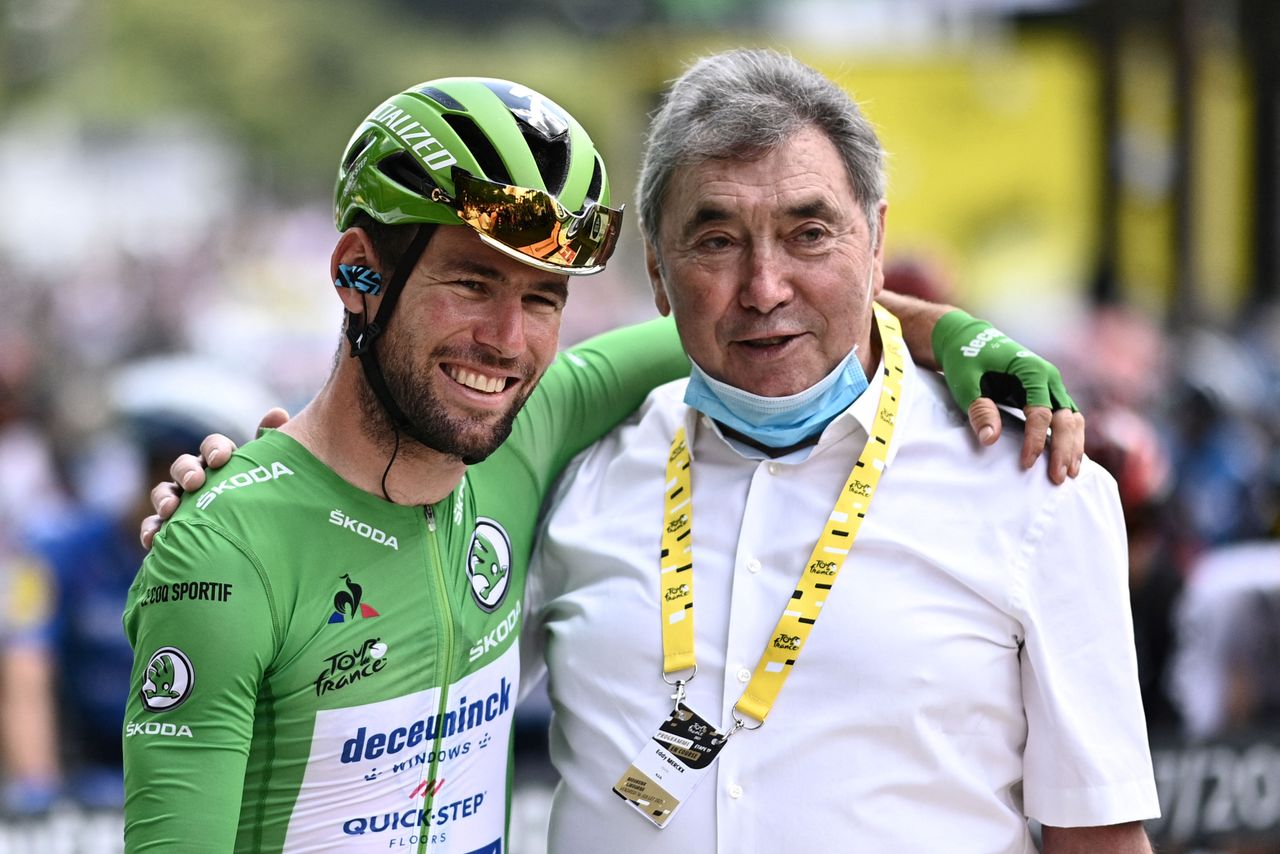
(489, 564)
(169, 680)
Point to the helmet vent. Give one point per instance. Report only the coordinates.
(402, 168)
(597, 178)
(486, 156)
(447, 101)
(550, 153)
(357, 149)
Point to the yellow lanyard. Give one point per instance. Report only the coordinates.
(818, 577)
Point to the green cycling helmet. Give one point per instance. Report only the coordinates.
(489, 154)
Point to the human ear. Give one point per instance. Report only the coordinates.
(654, 267)
(877, 284)
(353, 269)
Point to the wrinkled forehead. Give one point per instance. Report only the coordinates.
(804, 177)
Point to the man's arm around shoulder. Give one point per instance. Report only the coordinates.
(1127, 838)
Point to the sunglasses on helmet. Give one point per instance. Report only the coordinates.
(532, 226)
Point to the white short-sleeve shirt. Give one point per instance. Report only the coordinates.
(973, 666)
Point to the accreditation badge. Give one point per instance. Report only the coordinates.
(670, 765)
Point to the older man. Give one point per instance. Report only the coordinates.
(879, 639)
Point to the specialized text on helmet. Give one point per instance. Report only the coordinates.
(411, 132)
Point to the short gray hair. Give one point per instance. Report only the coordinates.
(743, 104)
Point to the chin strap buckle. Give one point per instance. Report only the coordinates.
(363, 338)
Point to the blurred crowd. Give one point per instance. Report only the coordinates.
(1188, 422)
(107, 374)
(108, 369)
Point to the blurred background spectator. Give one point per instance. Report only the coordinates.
(66, 661)
(64, 658)
(1100, 177)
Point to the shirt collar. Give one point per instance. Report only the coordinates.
(858, 416)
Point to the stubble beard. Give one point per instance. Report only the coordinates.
(470, 438)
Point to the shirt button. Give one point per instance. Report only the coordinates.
(774, 468)
(744, 675)
(735, 791)
(753, 565)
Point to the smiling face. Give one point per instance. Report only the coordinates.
(470, 338)
(769, 266)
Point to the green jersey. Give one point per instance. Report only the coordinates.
(317, 669)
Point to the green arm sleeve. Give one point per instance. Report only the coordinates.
(199, 621)
(590, 389)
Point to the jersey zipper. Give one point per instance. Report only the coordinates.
(445, 656)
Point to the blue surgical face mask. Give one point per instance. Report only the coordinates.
(779, 422)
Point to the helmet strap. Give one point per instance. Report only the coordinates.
(363, 336)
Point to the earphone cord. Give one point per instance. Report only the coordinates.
(387, 470)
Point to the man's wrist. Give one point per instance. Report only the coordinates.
(919, 320)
